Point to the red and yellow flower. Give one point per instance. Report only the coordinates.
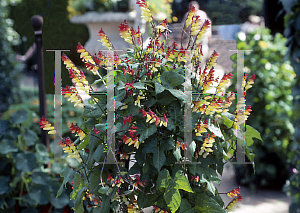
(47, 126)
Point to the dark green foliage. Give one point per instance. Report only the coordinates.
(9, 68)
(58, 33)
(292, 33)
(222, 11)
(271, 102)
(25, 182)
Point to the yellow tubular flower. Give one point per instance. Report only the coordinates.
(202, 32)
(146, 14)
(86, 57)
(104, 40)
(207, 145)
(189, 19)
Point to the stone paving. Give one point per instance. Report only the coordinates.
(263, 201)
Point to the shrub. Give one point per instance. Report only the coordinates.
(148, 163)
(271, 101)
(10, 69)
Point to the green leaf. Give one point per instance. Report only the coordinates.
(205, 203)
(85, 142)
(162, 178)
(30, 137)
(103, 190)
(95, 180)
(121, 85)
(182, 182)
(178, 94)
(40, 194)
(146, 132)
(185, 206)
(93, 111)
(67, 173)
(139, 85)
(176, 114)
(3, 126)
(165, 98)
(146, 200)
(94, 141)
(158, 88)
(177, 154)
(7, 146)
(26, 162)
(40, 178)
(172, 198)
(19, 117)
(159, 157)
(171, 79)
(226, 121)
(79, 201)
(105, 207)
(251, 133)
(4, 187)
(59, 202)
(95, 157)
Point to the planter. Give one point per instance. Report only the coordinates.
(109, 22)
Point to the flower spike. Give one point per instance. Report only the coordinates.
(105, 40)
(146, 14)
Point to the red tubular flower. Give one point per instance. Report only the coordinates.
(65, 142)
(143, 111)
(127, 85)
(109, 178)
(45, 125)
(234, 192)
(146, 14)
(96, 130)
(127, 119)
(104, 39)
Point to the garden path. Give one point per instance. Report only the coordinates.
(263, 201)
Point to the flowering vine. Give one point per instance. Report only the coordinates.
(148, 141)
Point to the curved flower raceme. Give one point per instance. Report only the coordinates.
(87, 59)
(125, 32)
(234, 192)
(47, 126)
(152, 117)
(77, 76)
(70, 148)
(146, 14)
(132, 138)
(78, 131)
(250, 82)
(223, 83)
(201, 128)
(191, 14)
(212, 60)
(105, 40)
(202, 32)
(73, 96)
(206, 147)
(196, 24)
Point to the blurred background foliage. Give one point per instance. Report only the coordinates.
(58, 33)
(27, 184)
(271, 102)
(10, 69)
(292, 33)
(78, 7)
(222, 11)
